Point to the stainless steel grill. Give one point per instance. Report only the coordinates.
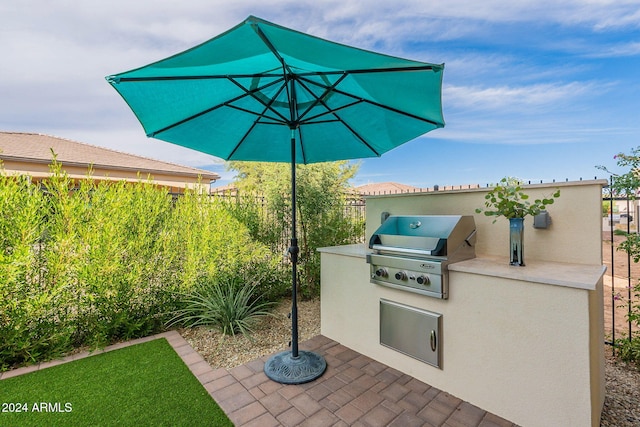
(412, 252)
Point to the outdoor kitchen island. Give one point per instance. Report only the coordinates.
(525, 343)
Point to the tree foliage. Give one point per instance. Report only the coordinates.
(322, 190)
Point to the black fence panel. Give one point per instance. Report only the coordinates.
(620, 219)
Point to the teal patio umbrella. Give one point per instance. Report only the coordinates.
(263, 92)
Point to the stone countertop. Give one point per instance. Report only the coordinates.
(580, 276)
(357, 250)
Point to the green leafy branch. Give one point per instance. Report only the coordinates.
(508, 199)
(625, 184)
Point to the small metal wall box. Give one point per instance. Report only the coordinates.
(542, 220)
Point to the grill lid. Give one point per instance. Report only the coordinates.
(426, 235)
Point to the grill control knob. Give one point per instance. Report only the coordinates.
(423, 280)
(382, 272)
(401, 275)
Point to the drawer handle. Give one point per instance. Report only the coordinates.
(433, 340)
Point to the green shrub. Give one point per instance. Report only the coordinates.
(206, 241)
(33, 317)
(102, 246)
(629, 349)
(99, 262)
(228, 306)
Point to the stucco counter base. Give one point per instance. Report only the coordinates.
(524, 343)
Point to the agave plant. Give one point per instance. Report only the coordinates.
(230, 307)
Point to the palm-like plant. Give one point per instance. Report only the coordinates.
(228, 306)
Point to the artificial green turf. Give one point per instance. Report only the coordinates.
(143, 385)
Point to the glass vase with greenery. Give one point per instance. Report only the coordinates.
(509, 200)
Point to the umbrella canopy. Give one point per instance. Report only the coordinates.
(238, 95)
(263, 92)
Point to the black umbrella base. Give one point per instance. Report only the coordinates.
(286, 369)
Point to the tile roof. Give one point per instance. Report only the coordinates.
(36, 148)
(385, 188)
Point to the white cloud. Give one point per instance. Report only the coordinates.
(599, 14)
(513, 98)
(623, 49)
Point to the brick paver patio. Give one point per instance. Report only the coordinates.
(355, 390)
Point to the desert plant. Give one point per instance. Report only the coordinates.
(509, 200)
(628, 349)
(228, 306)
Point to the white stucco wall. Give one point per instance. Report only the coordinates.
(576, 219)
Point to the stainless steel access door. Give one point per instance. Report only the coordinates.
(412, 331)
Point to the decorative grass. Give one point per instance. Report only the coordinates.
(230, 307)
(146, 384)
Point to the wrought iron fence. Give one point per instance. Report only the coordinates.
(620, 219)
(354, 209)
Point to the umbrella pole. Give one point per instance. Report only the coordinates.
(294, 250)
(294, 367)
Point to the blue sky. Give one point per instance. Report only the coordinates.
(539, 90)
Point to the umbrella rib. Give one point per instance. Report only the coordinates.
(185, 120)
(275, 120)
(332, 112)
(253, 125)
(224, 104)
(319, 99)
(230, 156)
(377, 104)
(255, 122)
(286, 72)
(427, 67)
(270, 45)
(312, 119)
(116, 79)
(357, 135)
(253, 94)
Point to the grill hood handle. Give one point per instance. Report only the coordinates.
(471, 239)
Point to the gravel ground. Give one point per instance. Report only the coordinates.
(621, 406)
(271, 336)
(622, 399)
